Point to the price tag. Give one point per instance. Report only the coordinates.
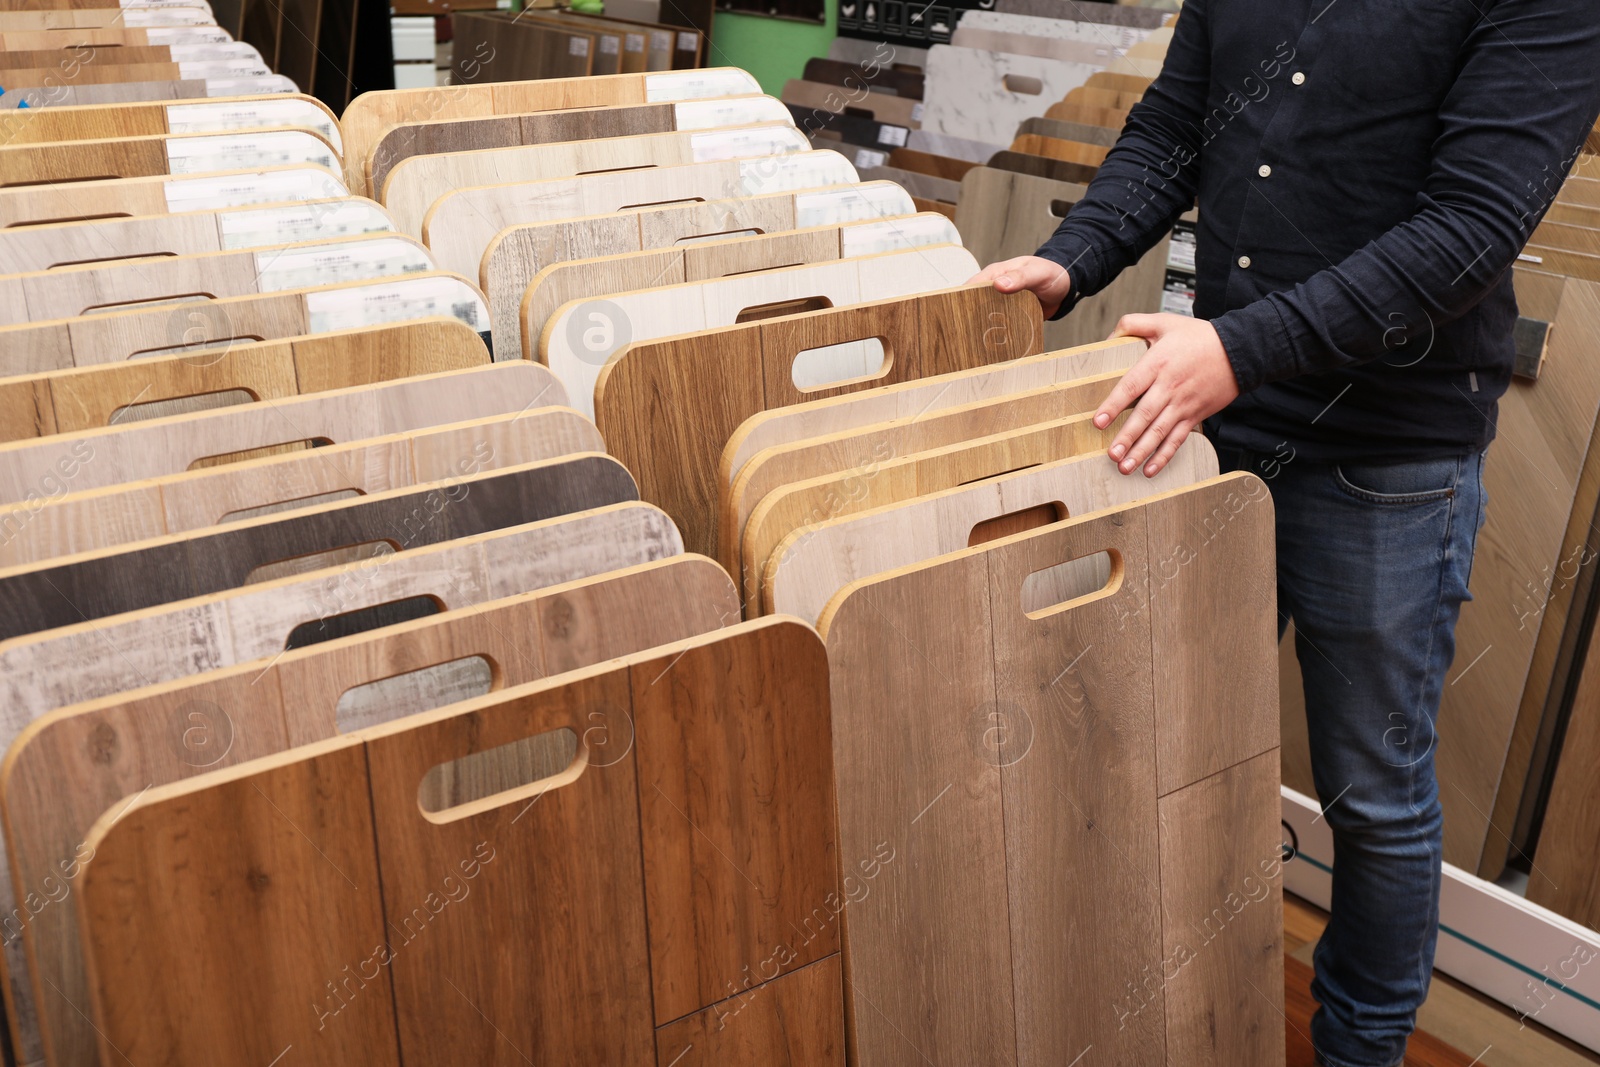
(916, 111)
(578, 46)
(609, 45)
(415, 298)
(303, 268)
(892, 135)
(240, 190)
(868, 158)
(315, 221)
(688, 42)
(633, 42)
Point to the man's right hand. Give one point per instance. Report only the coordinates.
(1046, 280)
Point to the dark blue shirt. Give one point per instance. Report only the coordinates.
(1367, 172)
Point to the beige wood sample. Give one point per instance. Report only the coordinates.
(216, 115)
(89, 287)
(53, 794)
(667, 408)
(91, 18)
(517, 253)
(115, 336)
(1566, 237)
(82, 522)
(861, 449)
(1053, 699)
(404, 142)
(36, 248)
(1090, 155)
(910, 399)
(1090, 116)
(371, 114)
(162, 154)
(579, 338)
(87, 398)
(880, 107)
(461, 225)
(31, 205)
(588, 279)
(414, 184)
(36, 472)
(814, 562)
(192, 88)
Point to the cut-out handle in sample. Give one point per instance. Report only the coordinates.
(1076, 581)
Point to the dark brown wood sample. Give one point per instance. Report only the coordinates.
(865, 76)
(109, 582)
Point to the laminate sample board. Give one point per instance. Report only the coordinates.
(461, 225)
(1111, 118)
(37, 248)
(400, 143)
(518, 253)
(1096, 96)
(814, 562)
(53, 794)
(618, 848)
(590, 279)
(126, 578)
(984, 96)
(1085, 25)
(172, 154)
(521, 50)
(1004, 214)
(918, 185)
(942, 144)
(1089, 155)
(856, 76)
(1043, 167)
(35, 472)
(90, 398)
(666, 408)
(53, 95)
(369, 115)
(791, 1017)
(824, 127)
(580, 337)
(952, 168)
(71, 291)
(65, 123)
(31, 205)
(94, 340)
(96, 18)
(414, 184)
(113, 36)
(880, 107)
(774, 469)
(1101, 52)
(118, 515)
(129, 55)
(1069, 131)
(1015, 372)
(988, 678)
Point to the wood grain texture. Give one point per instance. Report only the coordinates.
(143, 574)
(814, 562)
(146, 156)
(28, 205)
(82, 522)
(1038, 707)
(906, 83)
(133, 451)
(796, 1020)
(878, 106)
(1069, 131)
(1089, 155)
(657, 415)
(1042, 167)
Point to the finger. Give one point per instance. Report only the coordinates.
(1157, 428)
(1139, 420)
(1168, 449)
(1140, 377)
(1008, 270)
(1150, 327)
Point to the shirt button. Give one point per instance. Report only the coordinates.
(1299, 78)
(1264, 170)
(1244, 262)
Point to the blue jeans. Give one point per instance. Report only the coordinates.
(1372, 568)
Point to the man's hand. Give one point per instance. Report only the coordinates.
(1046, 280)
(1184, 378)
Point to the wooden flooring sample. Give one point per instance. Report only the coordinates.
(116, 336)
(216, 116)
(140, 157)
(49, 95)
(138, 511)
(413, 185)
(516, 254)
(53, 794)
(814, 562)
(31, 205)
(34, 472)
(212, 559)
(39, 248)
(590, 279)
(986, 680)
(408, 141)
(581, 336)
(881, 107)
(660, 415)
(461, 225)
(1089, 155)
(369, 116)
(592, 835)
(799, 1016)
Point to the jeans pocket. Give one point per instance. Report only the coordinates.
(1421, 482)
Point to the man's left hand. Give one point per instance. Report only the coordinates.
(1183, 379)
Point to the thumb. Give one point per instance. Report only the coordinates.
(1149, 327)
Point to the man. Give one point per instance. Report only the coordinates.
(1367, 171)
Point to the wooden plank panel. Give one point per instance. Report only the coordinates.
(796, 1020)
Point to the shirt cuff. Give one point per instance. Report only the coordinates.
(1257, 344)
(1081, 262)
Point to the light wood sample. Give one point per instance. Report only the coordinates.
(35, 472)
(667, 408)
(91, 18)
(611, 844)
(581, 336)
(1090, 155)
(1113, 728)
(880, 107)
(216, 115)
(31, 205)
(461, 225)
(519, 252)
(55, 95)
(178, 730)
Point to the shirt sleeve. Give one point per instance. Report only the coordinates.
(1526, 95)
(1149, 177)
